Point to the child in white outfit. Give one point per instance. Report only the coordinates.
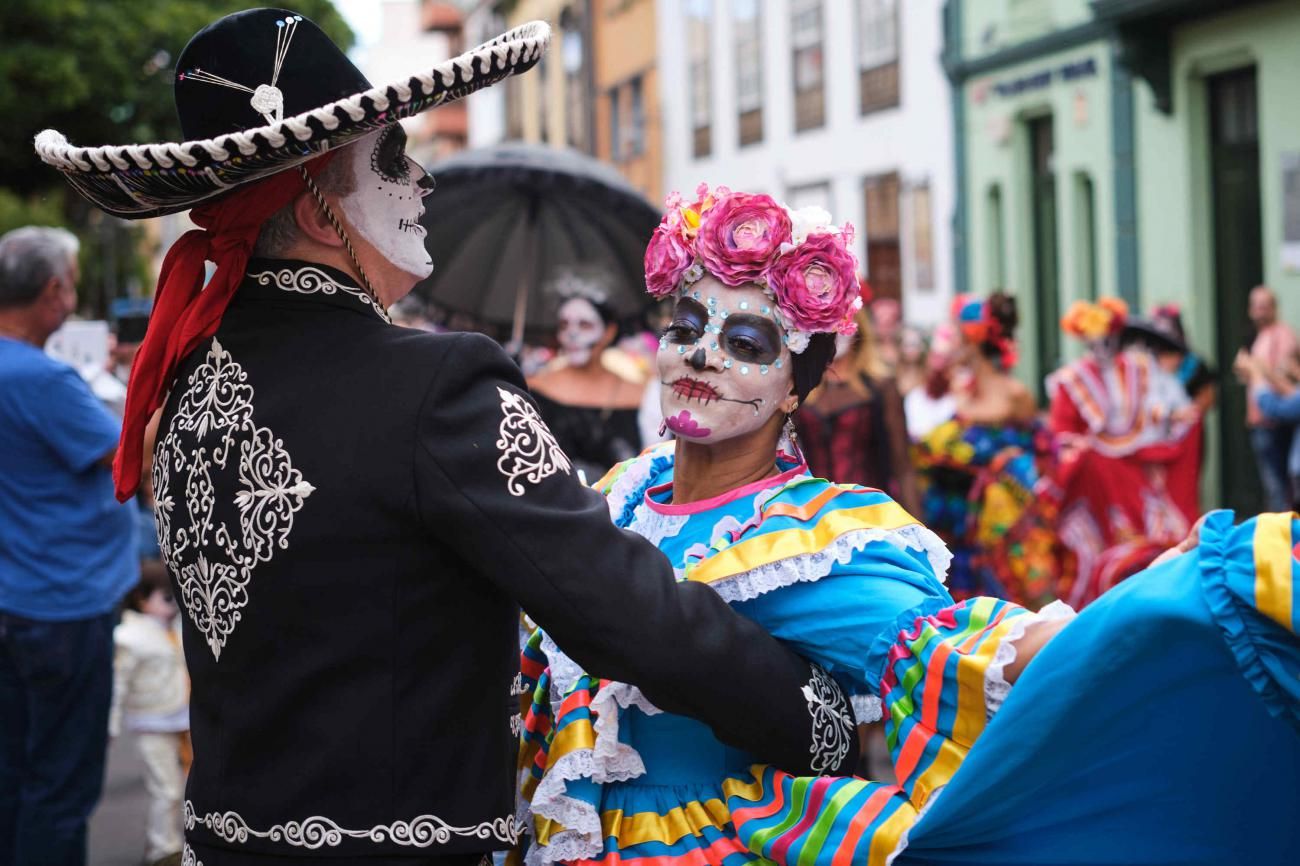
(151, 700)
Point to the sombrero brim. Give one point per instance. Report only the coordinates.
(136, 181)
(1138, 328)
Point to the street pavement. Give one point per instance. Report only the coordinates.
(117, 827)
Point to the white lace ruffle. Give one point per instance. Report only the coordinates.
(866, 708)
(616, 761)
(996, 687)
(653, 526)
(564, 670)
(582, 838)
(814, 566)
(628, 485)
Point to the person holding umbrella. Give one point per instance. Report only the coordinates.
(350, 511)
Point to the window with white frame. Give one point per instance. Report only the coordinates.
(636, 119)
(747, 27)
(878, 54)
(699, 25)
(807, 32)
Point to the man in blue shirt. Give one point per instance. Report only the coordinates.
(67, 555)
(1279, 401)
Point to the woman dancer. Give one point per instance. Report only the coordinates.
(1126, 438)
(981, 468)
(760, 294)
(1103, 752)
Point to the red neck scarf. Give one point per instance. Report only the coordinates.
(185, 312)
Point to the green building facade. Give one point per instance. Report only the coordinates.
(1148, 149)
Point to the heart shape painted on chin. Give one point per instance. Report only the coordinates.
(684, 425)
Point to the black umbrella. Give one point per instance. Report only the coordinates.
(505, 220)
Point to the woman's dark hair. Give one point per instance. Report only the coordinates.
(1002, 309)
(809, 366)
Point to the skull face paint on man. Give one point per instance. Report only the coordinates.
(579, 330)
(723, 362)
(385, 204)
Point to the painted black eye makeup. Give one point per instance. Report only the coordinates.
(689, 321)
(388, 159)
(751, 338)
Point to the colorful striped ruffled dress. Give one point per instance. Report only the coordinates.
(1162, 726)
(840, 572)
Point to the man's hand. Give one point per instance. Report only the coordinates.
(1187, 545)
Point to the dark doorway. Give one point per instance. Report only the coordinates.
(1047, 301)
(884, 259)
(1238, 266)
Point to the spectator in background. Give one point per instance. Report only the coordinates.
(151, 693)
(1278, 398)
(1272, 348)
(911, 371)
(934, 403)
(67, 555)
(590, 395)
(853, 429)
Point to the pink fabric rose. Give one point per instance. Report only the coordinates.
(740, 236)
(667, 258)
(816, 285)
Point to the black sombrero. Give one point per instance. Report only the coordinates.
(261, 91)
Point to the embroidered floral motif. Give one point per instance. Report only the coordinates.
(528, 449)
(832, 722)
(309, 281)
(188, 858)
(214, 561)
(317, 832)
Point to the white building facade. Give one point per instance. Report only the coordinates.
(838, 103)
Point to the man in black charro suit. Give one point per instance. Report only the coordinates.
(352, 512)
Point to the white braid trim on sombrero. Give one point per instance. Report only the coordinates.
(522, 44)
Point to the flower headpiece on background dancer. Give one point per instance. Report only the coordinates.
(977, 322)
(799, 258)
(1099, 324)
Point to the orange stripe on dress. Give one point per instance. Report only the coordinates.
(913, 749)
(808, 509)
(969, 643)
(934, 685)
(869, 812)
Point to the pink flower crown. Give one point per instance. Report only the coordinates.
(798, 257)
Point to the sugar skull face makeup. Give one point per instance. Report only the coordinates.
(723, 362)
(385, 204)
(580, 330)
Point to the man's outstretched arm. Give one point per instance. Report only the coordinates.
(493, 486)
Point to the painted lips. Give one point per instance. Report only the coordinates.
(694, 389)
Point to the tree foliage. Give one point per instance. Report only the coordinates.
(101, 72)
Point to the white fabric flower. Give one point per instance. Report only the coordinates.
(810, 220)
(797, 341)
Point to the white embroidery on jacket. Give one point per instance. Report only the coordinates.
(320, 832)
(188, 857)
(309, 281)
(832, 722)
(528, 449)
(213, 561)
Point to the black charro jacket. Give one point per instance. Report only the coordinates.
(352, 513)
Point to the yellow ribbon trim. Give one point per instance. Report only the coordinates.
(679, 822)
(1273, 580)
(748, 554)
(885, 839)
